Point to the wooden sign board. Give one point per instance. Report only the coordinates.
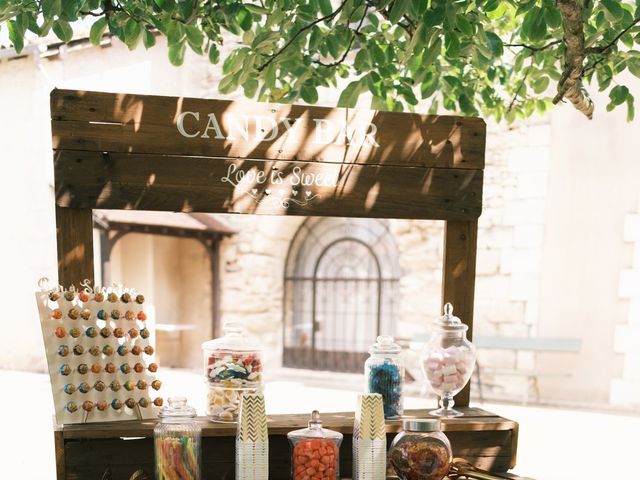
(142, 152)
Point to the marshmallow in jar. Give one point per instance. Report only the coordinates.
(448, 359)
(232, 366)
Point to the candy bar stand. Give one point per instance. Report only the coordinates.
(137, 152)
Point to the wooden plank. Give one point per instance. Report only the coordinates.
(205, 184)
(59, 446)
(74, 232)
(148, 124)
(458, 277)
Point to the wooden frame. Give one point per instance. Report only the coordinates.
(120, 151)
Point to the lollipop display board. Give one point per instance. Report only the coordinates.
(99, 354)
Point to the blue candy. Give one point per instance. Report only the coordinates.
(386, 380)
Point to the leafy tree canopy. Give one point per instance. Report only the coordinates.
(506, 59)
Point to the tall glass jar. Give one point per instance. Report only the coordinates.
(448, 359)
(421, 452)
(384, 374)
(177, 442)
(315, 451)
(232, 366)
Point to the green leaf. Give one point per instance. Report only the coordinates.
(244, 18)
(214, 54)
(186, 8)
(349, 96)
(614, 8)
(433, 52)
(176, 53)
(325, 7)
(195, 38)
(166, 5)
(541, 84)
(398, 9)
(631, 111)
(132, 31)
(50, 8)
(495, 44)
(617, 96)
(464, 25)
(97, 29)
(257, 9)
(63, 30)
(429, 86)
(148, 39)
(362, 61)
(309, 93)
(553, 17)
(228, 84)
(16, 36)
(233, 63)
(250, 87)
(452, 44)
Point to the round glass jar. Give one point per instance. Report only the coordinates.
(177, 442)
(421, 452)
(232, 366)
(448, 359)
(315, 451)
(384, 374)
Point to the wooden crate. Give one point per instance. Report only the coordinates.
(88, 451)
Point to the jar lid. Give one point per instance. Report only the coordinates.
(449, 322)
(421, 425)
(234, 339)
(385, 344)
(177, 407)
(315, 430)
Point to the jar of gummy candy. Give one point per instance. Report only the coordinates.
(384, 374)
(177, 442)
(315, 451)
(448, 359)
(421, 451)
(232, 366)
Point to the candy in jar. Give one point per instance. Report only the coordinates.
(232, 366)
(177, 442)
(421, 452)
(448, 359)
(384, 374)
(315, 451)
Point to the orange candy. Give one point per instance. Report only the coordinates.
(315, 459)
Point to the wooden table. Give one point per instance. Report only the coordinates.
(88, 451)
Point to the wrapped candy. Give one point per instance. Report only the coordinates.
(140, 299)
(73, 313)
(133, 333)
(91, 332)
(142, 316)
(83, 296)
(129, 385)
(60, 332)
(112, 297)
(136, 350)
(158, 401)
(99, 297)
(78, 349)
(115, 314)
(129, 315)
(69, 388)
(116, 404)
(125, 368)
(83, 369)
(153, 367)
(143, 402)
(54, 296)
(99, 386)
(144, 333)
(95, 350)
(118, 332)
(156, 384)
(105, 332)
(107, 350)
(96, 368)
(86, 314)
(69, 295)
(102, 405)
(115, 385)
(125, 297)
(65, 369)
(130, 402)
(57, 314)
(149, 350)
(84, 387)
(110, 368)
(102, 315)
(87, 405)
(123, 350)
(142, 385)
(63, 350)
(71, 407)
(75, 332)
(138, 367)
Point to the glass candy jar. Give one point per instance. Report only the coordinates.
(315, 451)
(448, 359)
(421, 452)
(177, 442)
(384, 374)
(232, 366)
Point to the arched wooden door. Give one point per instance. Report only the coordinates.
(340, 293)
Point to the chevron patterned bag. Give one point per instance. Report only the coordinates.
(252, 439)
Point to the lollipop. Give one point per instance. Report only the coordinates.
(63, 350)
(60, 332)
(91, 332)
(110, 368)
(54, 296)
(69, 388)
(83, 296)
(78, 349)
(115, 314)
(102, 405)
(112, 297)
(69, 295)
(142, 316)
(158, 402)
(99, 386)
(142, 385)
(116, 404)
(129, 315)
(136, 350)
(102, 315)
(95, 350)
(74, 313)
(71, 407)
(83, 368)
(107, 350)
(115, 385)
(105, 332)
(84, 387)
(96, 368)
(57, 314)
(143, 402)
(138, 368)
(149, 350)
(156, 384)
(129, 385)
(65, 369)
(153, 367)
(75, 332)
(125, 297)
(123, 350)
(144, 333)
(87, 405)
(118, 332)
(133, 333)
(125, 368)
(86, 314)
(140, 299)
(99, 297)
(130, 402)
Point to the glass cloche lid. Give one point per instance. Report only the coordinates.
(449, 322)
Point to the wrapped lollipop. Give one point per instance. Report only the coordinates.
(99, 297)
(56, 314)
(83, 296)
(75, 332)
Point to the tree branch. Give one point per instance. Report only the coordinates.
(606, 47)
(570, 85)
(346, 52)
(330, 16)
(532, 48)
(515, 95)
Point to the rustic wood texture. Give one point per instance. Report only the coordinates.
(481, 437)
(147, 124)
(74, 232)
(458, 278)
(205, 184)
(60, 452)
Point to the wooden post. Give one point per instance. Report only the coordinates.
(458, 277)
(74, 232)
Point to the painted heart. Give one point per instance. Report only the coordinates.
(308, 193)
(254, 191)
(267, 191)
(294, 192)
